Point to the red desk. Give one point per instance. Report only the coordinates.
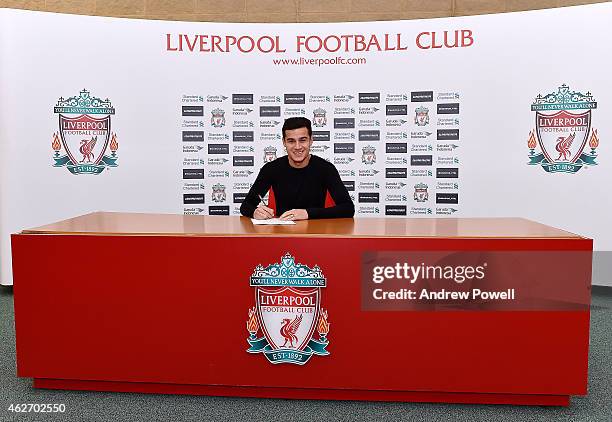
(160, 303)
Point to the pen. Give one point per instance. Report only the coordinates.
(262, 200)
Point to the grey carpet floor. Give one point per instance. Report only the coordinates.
(96, 406)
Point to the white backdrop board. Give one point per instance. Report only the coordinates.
(494, 115)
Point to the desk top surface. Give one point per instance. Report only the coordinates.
(117, 224)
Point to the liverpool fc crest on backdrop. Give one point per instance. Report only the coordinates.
(319, 118)
(563, 127)
(269, 154)
(84, 134)
(217, 119)
(218, 193)
(421, 116)
(287, 312)
(368, 154)
(420, 192)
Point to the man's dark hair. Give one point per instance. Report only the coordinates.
(296, 123)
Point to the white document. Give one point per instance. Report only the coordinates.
(272, 222)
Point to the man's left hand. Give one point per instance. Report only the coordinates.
(295, 215)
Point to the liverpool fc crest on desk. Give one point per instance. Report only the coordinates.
(287, 314)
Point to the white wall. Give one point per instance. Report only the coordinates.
(514, 57)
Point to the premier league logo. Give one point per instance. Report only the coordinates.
(84, 134)
(368, 155)
(563, 126)
(420, 192)
(319, 119)
(218, 118)
(218, 193)
(287, 312)
(269, 154)
(421, 116)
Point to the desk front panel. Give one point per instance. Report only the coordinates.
(166, 309)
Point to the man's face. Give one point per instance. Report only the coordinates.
(298, 144)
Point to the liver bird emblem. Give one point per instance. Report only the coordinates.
(87, 147)
(289, 328)
(563, 147)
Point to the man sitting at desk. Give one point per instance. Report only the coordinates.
(300, 181)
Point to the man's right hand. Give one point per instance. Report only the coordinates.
(263, 213)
